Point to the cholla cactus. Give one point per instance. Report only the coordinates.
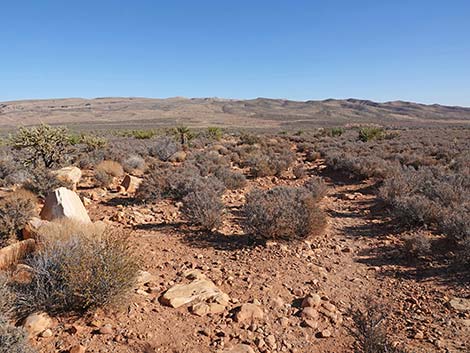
(43, 143)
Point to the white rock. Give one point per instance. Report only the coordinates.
(37, 323)
(64, 203)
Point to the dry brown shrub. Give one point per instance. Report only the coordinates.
(283, 213)
(16, 209)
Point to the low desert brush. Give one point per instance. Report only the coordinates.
(78, 273)
(16, 209)
(283, 213)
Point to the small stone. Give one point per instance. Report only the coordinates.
(309, 313)
(239, 348)
(461, 304)
(106, 329)
(310, 323)
(248, 312)
(312, 301)
(46, 333)
(77, 349)
(37, 323)
(418, 335)
(325, 333)
(271, 341)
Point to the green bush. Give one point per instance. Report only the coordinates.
(371, 133)
(13, 339)
(214, 133)
(43, 144)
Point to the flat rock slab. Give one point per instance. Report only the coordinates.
(11, 254)
(461, 304)
(198, 291)
(131, 183)
(64, 203)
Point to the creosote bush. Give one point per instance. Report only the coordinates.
(283, 213)
(16, 209)
(77, 274)
(316, 187)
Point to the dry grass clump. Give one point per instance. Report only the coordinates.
(370, 330)
(16, 209)
(208, 162)
(78, 273)
(203, 206)
(416, 244)
(106, 171)
(7, 297)
(283, 213)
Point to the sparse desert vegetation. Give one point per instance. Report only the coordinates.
(278, 238)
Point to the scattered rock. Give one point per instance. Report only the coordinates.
(239, 348)
(248, 312)
(31, 230)
(325, 333)
(312, 301)
(144, 277)
(64, 203)
(461, 304)
(199, 290)
(309, 313)
(106, 329)
(70, 175)
(131, 183)
(46, 333)
(11, 254)
(77, 349)
(179, 156)
(37, 323)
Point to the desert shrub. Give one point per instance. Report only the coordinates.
(358, 166)
(106, 171)
(299, 171)
(455, 222)
(316, 187)
(270, 162)
(43, 144)
(112, 168)
(415, 210)
(164, 147)
(312, 155)
(208, 162)
(416, 244)
(370, 329)
(92, 143)
(232, 180)
(13, 339)
(203, 207)
(11, 172)
(7, 297)
(369, 133)
(174, 183)
(249, 139)
(214, 133)
(76, 274)
(283, 212)
(142, 134)
(335, 131)
(16, 209)
(41, 182)
(184, 134)
(133, 162)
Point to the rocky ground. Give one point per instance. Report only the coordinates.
(274, 297)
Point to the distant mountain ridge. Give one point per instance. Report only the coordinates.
(257, 113)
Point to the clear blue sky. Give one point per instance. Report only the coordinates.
(417, 50)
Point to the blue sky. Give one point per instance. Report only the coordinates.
(381, 50)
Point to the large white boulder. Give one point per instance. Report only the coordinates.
(64, 203)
